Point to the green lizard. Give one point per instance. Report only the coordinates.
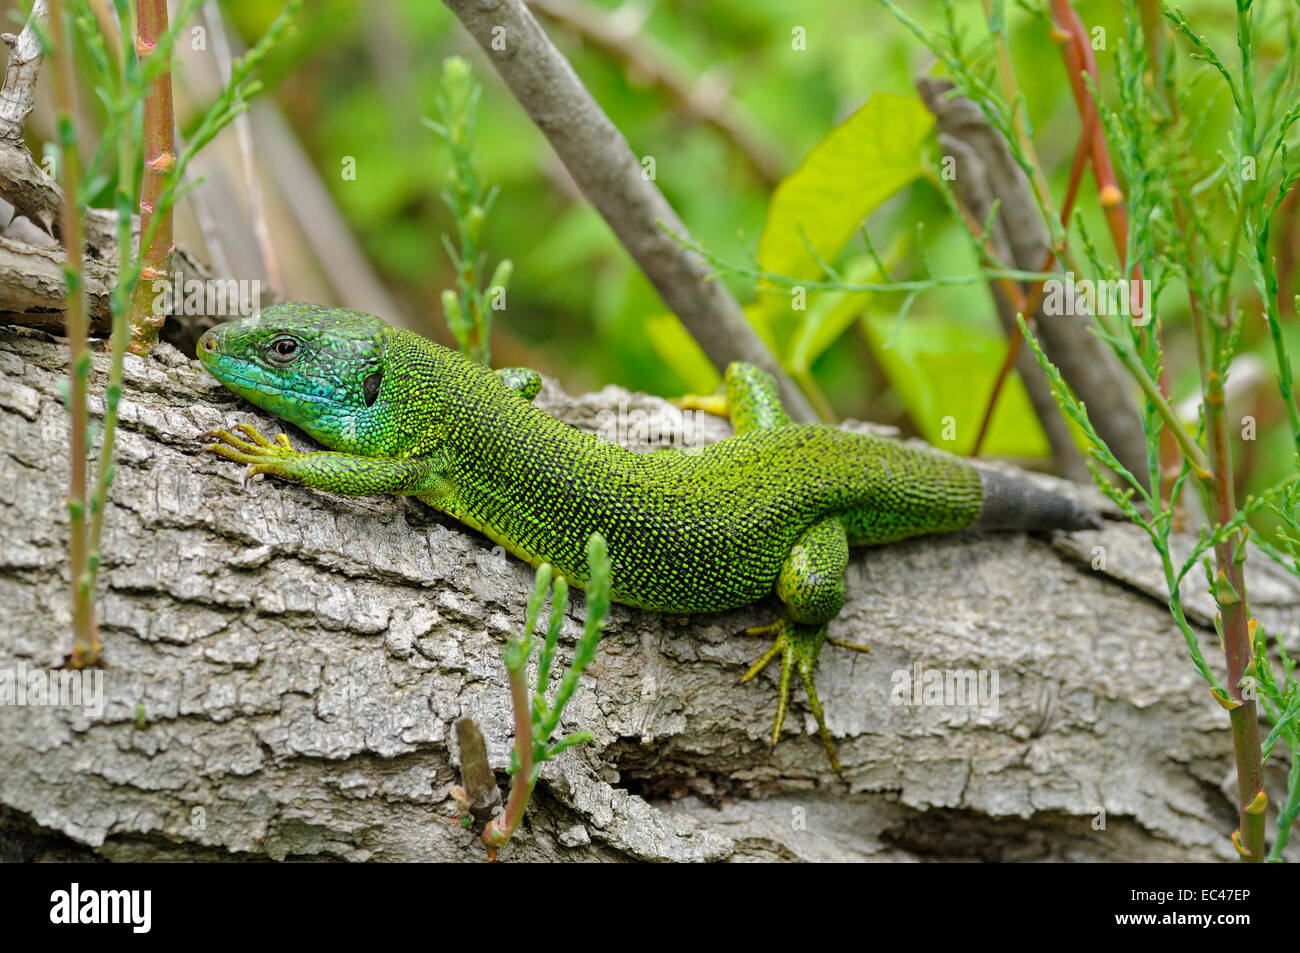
(776, 506)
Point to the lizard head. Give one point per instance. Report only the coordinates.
(320, 369)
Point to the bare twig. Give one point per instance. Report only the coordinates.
(1022, 241)
(1029, 308)
(613, 179)
(479, 796)
(19, 91)
(618, 36)
(159, 160)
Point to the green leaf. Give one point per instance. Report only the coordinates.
(816, 210)
(831, 313)
(862, 162)
(941, 368)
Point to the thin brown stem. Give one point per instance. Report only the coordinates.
(85, 649)
(1079, 60)
(1230, 591)
(159, 160)
(500, 828)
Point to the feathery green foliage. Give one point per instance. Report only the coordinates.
(469, 308)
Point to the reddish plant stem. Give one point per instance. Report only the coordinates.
(1079, 59)
(501, 827)
(85, 649)
(159, 159)
(1021, 303)
(1237, 648)
(1230, 594)
(1029, 306)
(1230, 584)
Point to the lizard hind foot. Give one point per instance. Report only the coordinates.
(798, 646)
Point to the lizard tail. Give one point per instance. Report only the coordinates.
(1011, 504)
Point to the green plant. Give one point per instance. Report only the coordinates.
(469, 308)
(536, 719)
(121, 85)
(1196, 222)
(1175, 233)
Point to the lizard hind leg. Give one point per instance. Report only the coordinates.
(753, 398)
(811, 581)
(811, 584)
(750, 399)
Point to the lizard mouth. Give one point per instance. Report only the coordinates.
(258, 387)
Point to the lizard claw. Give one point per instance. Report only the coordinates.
(798, 646)
(261, 454)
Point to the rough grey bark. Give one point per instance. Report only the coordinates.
(285, 669)
(18, 92)
(33, 193)
(987, 172)
(31, 276)
(603, 165)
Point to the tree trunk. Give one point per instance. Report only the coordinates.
(285, 667)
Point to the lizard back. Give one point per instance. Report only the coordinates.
(688, 530)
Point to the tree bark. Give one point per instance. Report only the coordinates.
(285, 668)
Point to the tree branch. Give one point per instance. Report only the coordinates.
(1023, 242)
(612, 178)
(285, 668)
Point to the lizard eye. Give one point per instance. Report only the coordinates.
(282, 350)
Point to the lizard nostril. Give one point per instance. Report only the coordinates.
(208, 342)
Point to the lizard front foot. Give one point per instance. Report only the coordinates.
(262, 455)
(799, 646)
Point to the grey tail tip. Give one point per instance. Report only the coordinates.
(1011, 504)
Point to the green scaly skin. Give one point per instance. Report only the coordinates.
(776, 506)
